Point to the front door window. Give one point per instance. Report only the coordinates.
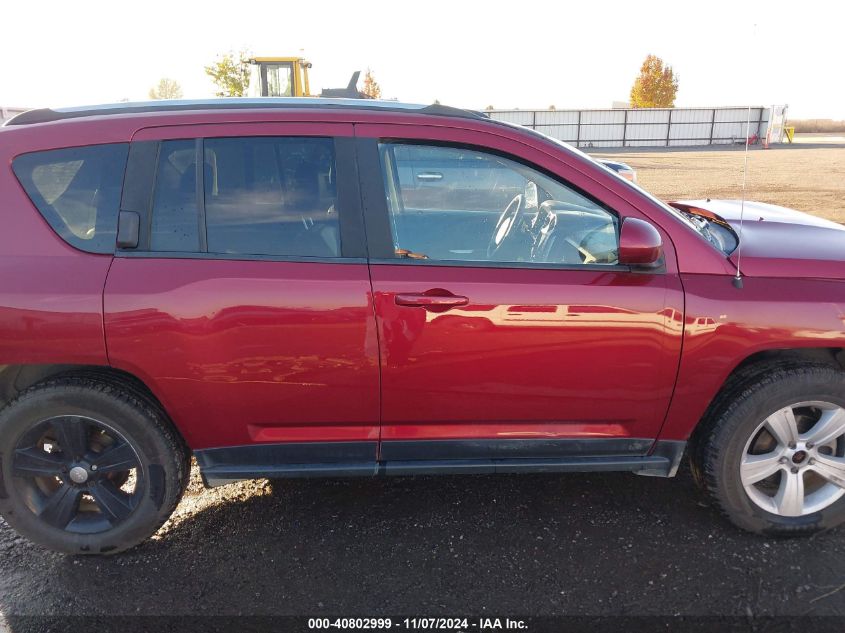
(457, 204)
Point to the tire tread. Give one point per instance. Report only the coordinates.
(127, 393)
(713, 438)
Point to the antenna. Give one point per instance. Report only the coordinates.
(737, 280)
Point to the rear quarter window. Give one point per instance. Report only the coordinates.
(77, 191)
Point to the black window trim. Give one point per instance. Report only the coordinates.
(199, 167)
(353, 245)
(374, 201)
(462, 263)
(377, 213)
(138, 185)
(300, 259)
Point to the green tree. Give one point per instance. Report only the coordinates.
(371, 87)
(656, 86)
(230, 73)
(166, 89)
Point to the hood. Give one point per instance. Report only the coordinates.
(781, 242)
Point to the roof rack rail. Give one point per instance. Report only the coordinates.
(47, 115)
(439, 109)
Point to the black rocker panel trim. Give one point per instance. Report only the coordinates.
(393, 450)
(351, 459)
(287, 453)
(526, 465)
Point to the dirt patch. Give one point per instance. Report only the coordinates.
(807, 179)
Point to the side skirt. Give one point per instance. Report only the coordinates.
(221, 466)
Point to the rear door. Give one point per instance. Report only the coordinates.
(503, 336)
(245, 304)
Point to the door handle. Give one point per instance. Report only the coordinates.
(430, 301)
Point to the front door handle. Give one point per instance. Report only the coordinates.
(429, 301)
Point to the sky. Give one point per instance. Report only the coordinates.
(519, 54)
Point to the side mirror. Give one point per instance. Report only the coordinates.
(640, 244)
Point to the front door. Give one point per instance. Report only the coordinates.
(507, 328)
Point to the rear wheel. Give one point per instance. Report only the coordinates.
(774, 458)
(88, 467)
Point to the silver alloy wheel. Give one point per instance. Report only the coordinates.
(794, 462)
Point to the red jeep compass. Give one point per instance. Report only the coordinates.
(289, 288)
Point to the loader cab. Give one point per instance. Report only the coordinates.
(278, 77)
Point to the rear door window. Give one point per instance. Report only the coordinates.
(175, 222)
(77, 191)
(274, 196)
(271, 196)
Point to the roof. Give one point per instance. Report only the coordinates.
(275, 59)
(45, 115)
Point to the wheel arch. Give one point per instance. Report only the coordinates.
(15, 379)
(750, 369)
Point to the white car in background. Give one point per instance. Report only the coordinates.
(623, 169)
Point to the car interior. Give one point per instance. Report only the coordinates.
(450, 203)
(263, 196)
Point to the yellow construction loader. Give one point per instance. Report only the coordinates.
(288, 77)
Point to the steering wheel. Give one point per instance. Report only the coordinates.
(510, 218)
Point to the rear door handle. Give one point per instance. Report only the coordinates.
(430, 175)
(415, 300)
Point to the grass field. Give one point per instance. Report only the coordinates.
(808, 177)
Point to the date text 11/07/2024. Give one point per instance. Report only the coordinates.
(434, 624)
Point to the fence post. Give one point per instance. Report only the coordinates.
(534, 119)
(625, 129)
(578, 131)
(669, 128)
(712, 124)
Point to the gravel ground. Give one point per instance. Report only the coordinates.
(587, 544)
(577, 544)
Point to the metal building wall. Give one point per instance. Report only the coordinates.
(647, 127)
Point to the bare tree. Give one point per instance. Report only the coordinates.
(166, 89)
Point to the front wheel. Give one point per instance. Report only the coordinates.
(88, 467)
(774, 458)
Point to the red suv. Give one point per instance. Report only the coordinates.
(289, 288)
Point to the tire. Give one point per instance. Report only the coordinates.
(751, 434)
(88, 466)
